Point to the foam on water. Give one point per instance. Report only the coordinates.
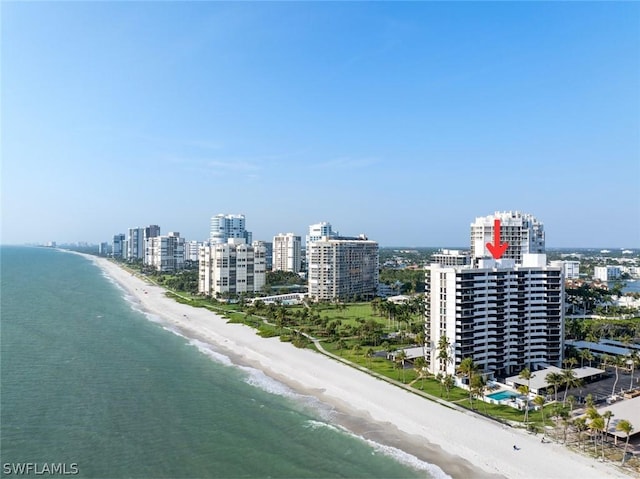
(258, 379)
(206, 349)
(393, 452)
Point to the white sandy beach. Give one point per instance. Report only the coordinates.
(464, 444)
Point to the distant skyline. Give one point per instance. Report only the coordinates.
(403, 121)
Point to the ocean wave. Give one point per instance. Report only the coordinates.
(206, 349)
(408, 459)
(398, 455)
(258, 379)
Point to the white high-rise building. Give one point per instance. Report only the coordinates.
(165, 253)
(191, 251)
(231, 268)
(135, 244)
(287, 252)
(571, 268)
(523, 232)
(224, 227)
(503, 315)
(319, 231)
(342, 268)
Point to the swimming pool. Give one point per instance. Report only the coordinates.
(502, 395)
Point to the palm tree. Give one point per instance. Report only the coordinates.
(616, 361)
(539, 401)
(585, 354)
(633, 361)
(524, 390)
(570, 381)
(400, 358)
(526, 375)
(597, 426)
(580, 423)
(572, 402)
(468, 368)
(419, 364)
(554, 380)
(370, 353)
(606, 415)
(478, 387)
(626, 427)
(448, 381)
(443, 355)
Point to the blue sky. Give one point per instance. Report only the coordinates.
(403, 121)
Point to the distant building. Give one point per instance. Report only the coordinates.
(231, 268)
(571, 268)
(287, 252)
(118, 245)
(104, 249)
(318, 231)
(191, 251)
(342, 268)
(224, 227)
(523, 232)
(268, 258)
(135, 244)
(607, 273)
(452, 257)
(165, 253)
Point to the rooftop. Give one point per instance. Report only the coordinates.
(539, 378)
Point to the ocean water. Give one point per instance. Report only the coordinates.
(91, 383)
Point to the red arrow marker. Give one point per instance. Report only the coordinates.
(496, 248)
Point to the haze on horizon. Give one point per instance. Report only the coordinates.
(403, 121)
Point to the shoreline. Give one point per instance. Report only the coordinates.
(462, 445)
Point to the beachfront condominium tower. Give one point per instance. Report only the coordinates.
(503, 315)
(341, 268)
(165, 253)
(234, 267)
(118, 246)
(523, 232)
(135, 244)
(287, 252)
(224, 227)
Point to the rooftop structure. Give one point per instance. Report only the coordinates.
(538, 381)
(523, 232)
(224, 227)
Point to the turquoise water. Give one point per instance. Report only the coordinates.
(87, 379)
(499, 396)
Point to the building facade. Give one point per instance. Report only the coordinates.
(165, 253)
(118, 245)
(502, 315)
(523, 232)
(607, 273)
(342, 268)
(287, 252)
(231, 268)
(135, 244)
(451, 257)
(571, 268)
(224, 227)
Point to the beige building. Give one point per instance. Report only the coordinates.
(342, 268)
(232, 268)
